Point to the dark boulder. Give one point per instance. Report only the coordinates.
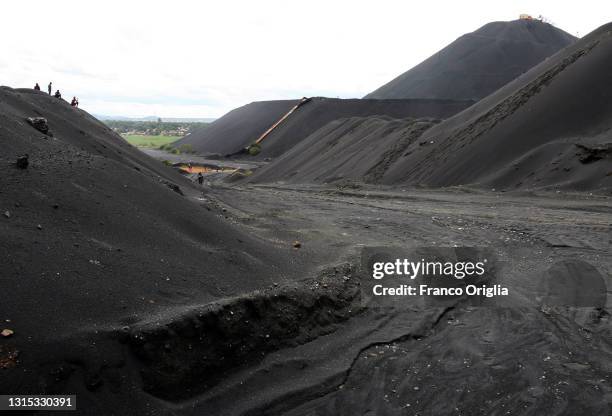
(39, 123)
(22, 162)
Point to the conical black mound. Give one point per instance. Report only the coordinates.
(479, 63)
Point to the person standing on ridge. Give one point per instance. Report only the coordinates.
(49, 88)
(200, 178)
(37, 87)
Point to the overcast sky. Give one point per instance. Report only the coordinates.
(202, 58)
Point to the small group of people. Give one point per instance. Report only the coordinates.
(58, 94)
(49, 88)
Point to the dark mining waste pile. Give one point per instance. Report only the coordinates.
(143, 294)
(241, 127)
(356, 149)
(98, 240)
(548, 128)
(238, 128)
(450, 81)
(478, 63)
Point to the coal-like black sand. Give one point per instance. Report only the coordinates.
(238, 128)
(549, 128)
(146, 301)
(243, 126)
(515, 355)
(95, 238)
(357, 149)
(478, 63)
(143, 294)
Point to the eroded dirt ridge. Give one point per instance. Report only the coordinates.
(191, 352)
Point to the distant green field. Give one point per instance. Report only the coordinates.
(149, 141)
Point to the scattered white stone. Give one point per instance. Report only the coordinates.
(7, 332)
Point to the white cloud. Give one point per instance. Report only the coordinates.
(202, 58)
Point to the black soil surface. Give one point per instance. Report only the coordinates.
(512, 356)
(96, 237)
(478, 63)
(142, 294)
(550, 127)
(241, 127)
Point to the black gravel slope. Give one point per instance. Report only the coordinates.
(356, 149)
(241, 127)
(94, 238)
(478, 63)
(548, 128)
(238, 128)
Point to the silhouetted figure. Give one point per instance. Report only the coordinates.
(200, 178)
(74, 102)
(58, 94)
(37, 87)
(50, 87)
